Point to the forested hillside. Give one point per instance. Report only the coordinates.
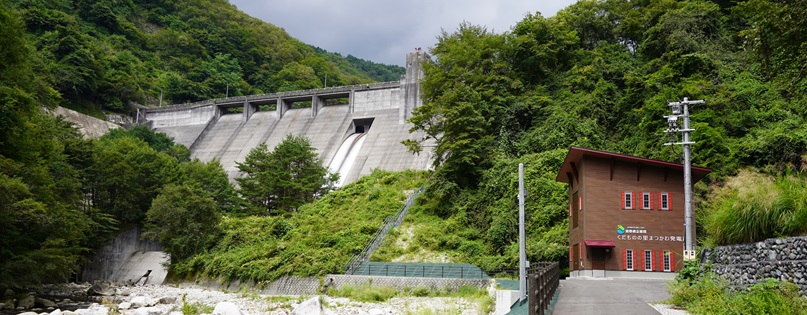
(105, 54)
(599, 75)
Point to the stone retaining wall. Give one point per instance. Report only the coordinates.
(746, 264)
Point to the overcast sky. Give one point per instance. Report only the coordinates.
(384, 31)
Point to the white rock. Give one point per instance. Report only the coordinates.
(311, 306)
(124, 306)
(375, 311)
(175, 313)
(149, 311)
(226, 308)
(142, 301)
(28, 313)
(56, 312)
(95, 309)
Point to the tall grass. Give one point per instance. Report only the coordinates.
(752, 206)
(710, 295)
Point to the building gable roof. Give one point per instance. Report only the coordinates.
(576, 154)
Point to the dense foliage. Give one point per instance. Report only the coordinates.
(598, 75)
(106, 54)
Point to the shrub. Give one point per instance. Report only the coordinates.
(710, 294)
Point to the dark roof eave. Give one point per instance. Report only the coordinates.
(577, 153)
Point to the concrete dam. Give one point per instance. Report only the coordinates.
(361, 134)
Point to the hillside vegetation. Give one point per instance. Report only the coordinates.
(599, 75)
(105, 54)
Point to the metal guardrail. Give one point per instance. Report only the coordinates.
(258, 97)
(543, 278)
(389, 223)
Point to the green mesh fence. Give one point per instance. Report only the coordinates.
(423, 270)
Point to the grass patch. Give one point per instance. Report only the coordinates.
(195, 308)
(369, 293)
(710, 294)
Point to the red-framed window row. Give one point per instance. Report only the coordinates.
(648, 260)
(646, 200)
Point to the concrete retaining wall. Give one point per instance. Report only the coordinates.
(292, 285)
(109, 259)
(746, 264)
(185, 117)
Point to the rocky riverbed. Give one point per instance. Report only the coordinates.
(168, 300)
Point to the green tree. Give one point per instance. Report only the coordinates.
(184, 219)
(211, 178)
(284, 179)
(126, 175)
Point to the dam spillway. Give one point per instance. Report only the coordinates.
(377, 111)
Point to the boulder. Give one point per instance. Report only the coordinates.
(124, 306)
(311, 306)
(28, 313)
(149, 311)
(167, 300)
(26, 302)
(142, 301)
(95, 309)
(101, 288)
(44, 303)
(56, 312)
(227, 308)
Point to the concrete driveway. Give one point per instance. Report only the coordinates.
(617, 296)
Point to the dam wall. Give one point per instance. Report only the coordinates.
(379, 110)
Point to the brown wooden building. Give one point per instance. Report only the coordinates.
(626, 213)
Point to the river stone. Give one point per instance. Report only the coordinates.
(311, 306)
(26, 302)
(228, 308)
(142, 301)
(101, 288)
(149, 311)
(44, 303)
(124, 306)
(28, 313)
(56, 312)
(167, 300)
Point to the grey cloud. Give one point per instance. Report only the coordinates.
(384, 31)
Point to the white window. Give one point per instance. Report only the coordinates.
(647, 201)
(664, 201)
(628, 197)
(648, 260)
(667, 260)
(629, 259)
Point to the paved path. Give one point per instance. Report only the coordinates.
(617, 296)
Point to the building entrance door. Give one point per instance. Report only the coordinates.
(598, 256)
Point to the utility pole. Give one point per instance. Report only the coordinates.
(522, 239)
(672, 123)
